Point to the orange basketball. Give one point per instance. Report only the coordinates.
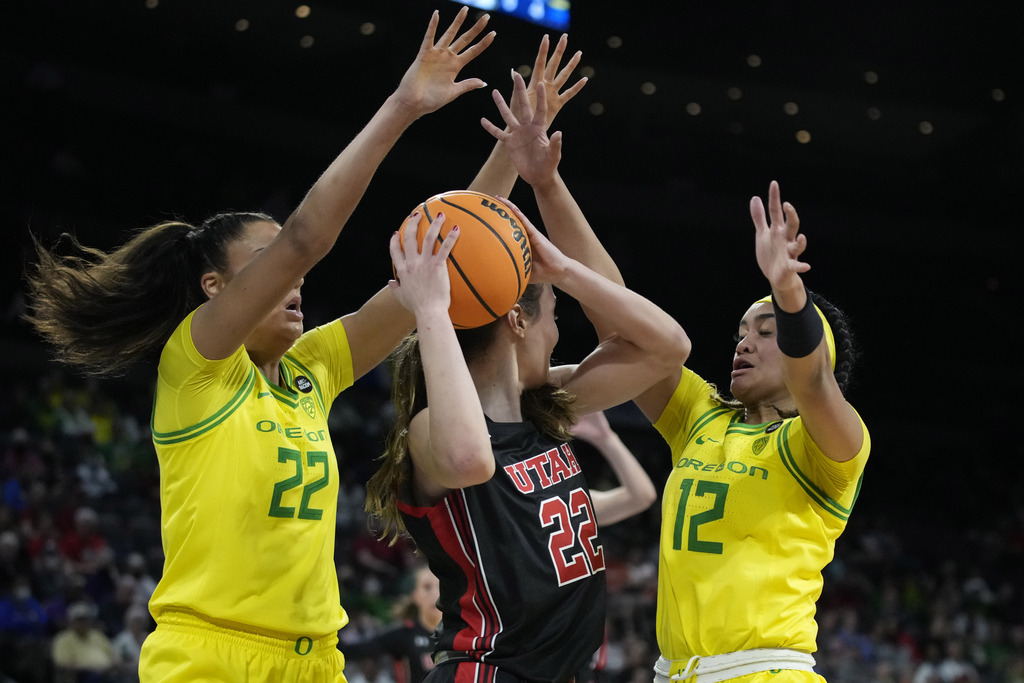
(490, 265)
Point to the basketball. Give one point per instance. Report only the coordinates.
(490, 265)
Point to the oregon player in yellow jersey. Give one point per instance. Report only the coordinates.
(750, 514)
(247, 465)
(761, 486)
(248, 475)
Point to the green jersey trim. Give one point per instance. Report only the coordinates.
(282, 394)
(706, 419)
(167, 438)
(826, 502)
(747, 429)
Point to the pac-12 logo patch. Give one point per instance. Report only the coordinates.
(759, 445)
(303, 384)
(308, 405)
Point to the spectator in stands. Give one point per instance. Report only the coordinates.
(127, 643)
(81, 652)
(23, 633)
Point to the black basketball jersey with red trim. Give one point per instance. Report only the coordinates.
(519, 561)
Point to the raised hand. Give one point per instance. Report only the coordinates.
(547, 76)
(430, 83)
(534, 155)
(422, 283)
(778, 245)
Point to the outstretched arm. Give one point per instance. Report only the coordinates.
(644, 342)
(829, 419)
(220, 327)
(635, 492)
(498, 175)
(535, 157)
(448, 440)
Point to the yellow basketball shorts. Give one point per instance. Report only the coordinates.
(776, 676)
(780, 676)
(187, 649)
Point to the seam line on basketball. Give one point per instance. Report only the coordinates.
(511, 254)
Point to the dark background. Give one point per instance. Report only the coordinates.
(119, 115)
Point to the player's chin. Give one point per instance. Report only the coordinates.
(739, 388)
(290, 330)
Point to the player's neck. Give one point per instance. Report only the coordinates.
(770, 412)
(496, 378)
(270, 366)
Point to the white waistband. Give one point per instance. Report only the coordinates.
(717, 668)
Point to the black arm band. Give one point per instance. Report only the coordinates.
(798, 333)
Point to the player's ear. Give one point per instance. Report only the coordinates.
(515, 319)
(212, 283)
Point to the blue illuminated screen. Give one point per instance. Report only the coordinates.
(551, 13)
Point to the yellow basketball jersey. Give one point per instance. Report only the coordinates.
(249, 484)
(750, 515)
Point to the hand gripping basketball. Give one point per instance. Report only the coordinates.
(489, 267)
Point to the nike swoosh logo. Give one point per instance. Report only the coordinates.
(701, 440)
(262, 394)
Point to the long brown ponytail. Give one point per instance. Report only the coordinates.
(102, 312)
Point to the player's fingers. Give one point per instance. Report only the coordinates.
(775, 204)
(512, 205)
(518, 213)
(395, 248)
(409, 245)
(541, 112)
(556, 57)
(496, 133)
(555, 141)
(448, 243)
(541, 59)
(481, 45)
(571, 92)
(466, 38)
(757, 213)
(506, 114)
(431, 236)
(463, 87)
(428, 37)
(446, 38)
(797, 246)
(567, 70)
(792, 220)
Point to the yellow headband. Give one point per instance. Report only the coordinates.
(830, 340)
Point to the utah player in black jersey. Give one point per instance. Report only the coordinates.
(484, 478)
(408, 641)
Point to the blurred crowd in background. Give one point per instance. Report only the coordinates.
(80, 554)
